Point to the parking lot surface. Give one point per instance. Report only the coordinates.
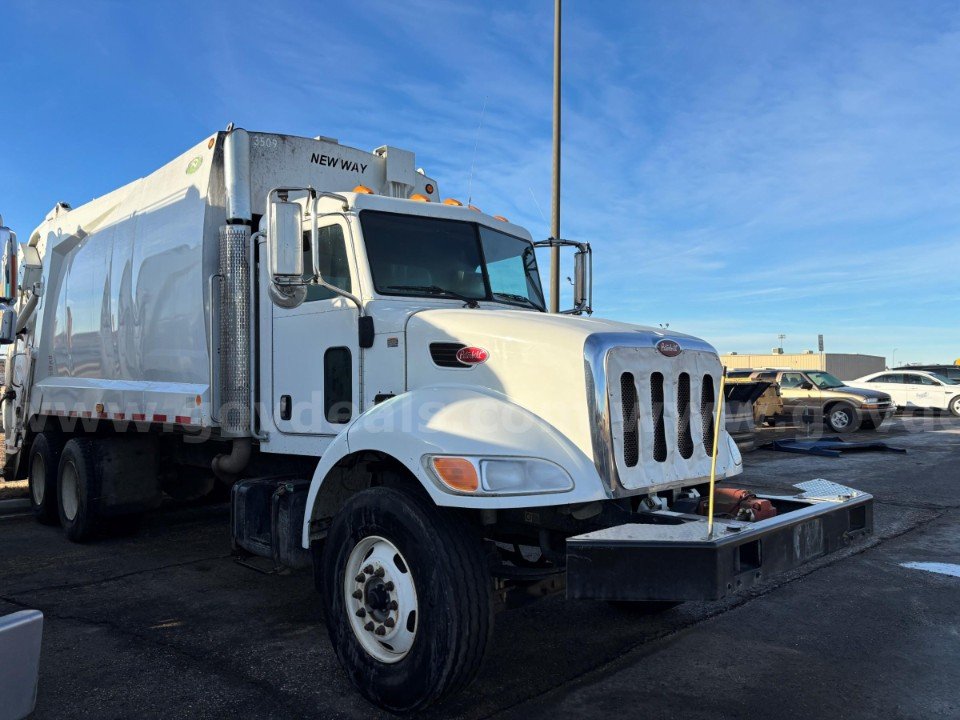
(166, 624)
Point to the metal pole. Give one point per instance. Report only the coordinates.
(555, 206)
(713, 458)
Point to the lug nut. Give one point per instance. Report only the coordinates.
(388, 586)
(368, 626)
(361, 613)
(361, 578)
(368, 569)
(379, 572)
(389, 622)
(394, 605)
(381, 631)
(358, 594)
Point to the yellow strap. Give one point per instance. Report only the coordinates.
(716, 449)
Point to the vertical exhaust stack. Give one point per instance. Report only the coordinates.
(235, 360)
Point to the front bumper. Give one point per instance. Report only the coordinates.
(671, 558)
(877, 414)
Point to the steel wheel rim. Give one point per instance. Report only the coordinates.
(956, 406)
(840, 419)
(384, 618)
(69, 491)
(38, 474)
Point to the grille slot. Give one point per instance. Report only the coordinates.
(659, 426)
(445, 355)
(630, 410)
(707, 411)
(684, 438)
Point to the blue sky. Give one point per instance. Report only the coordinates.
(743, 169)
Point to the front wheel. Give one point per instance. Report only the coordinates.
(842, 418)
(955, 406)
(406, 591)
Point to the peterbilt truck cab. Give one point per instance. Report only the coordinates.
(372, 371)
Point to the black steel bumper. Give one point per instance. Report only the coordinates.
(671, 558)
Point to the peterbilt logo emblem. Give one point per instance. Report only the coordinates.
(669, 348)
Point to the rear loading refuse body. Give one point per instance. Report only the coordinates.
(372, 372)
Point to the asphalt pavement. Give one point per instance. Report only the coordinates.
(166, 624)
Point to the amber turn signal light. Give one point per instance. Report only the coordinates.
(457, 473)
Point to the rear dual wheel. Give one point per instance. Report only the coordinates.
(42, 476)
(78, 489)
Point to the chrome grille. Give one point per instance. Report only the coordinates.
(657, 421)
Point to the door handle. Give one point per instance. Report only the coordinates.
(286, 407)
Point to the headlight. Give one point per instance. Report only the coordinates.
(871, 401)
(498, 476)
(509, 477)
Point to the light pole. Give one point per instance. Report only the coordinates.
(555, 209)
(893, 360)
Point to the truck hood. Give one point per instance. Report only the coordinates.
(556, 367)
(533, 328)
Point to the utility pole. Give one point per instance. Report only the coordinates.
(781, 337)
(555, 205)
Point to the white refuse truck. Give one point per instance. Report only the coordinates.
(372, 372)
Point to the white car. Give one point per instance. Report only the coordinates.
(915, 389)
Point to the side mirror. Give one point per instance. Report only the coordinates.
(285, 240)
(8, 327)
(806, 385)
(582, 280)
(582, 274)
(8, 245)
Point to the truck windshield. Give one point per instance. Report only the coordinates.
(825, 380)
(416, 255)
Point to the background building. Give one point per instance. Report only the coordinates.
(845, 366)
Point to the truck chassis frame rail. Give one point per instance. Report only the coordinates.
(671, 558)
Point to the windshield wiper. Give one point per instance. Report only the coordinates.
(436, 290)
(518, 298)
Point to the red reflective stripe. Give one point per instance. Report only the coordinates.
(183, 419)
(139, 416)
(119, 416)
(159, 418)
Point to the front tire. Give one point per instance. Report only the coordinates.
(406, 591)
(78, 489)
(842, 418)
(42, 477)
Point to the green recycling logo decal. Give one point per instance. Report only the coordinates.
(194, 165)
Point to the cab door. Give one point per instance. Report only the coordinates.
(315, 345)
